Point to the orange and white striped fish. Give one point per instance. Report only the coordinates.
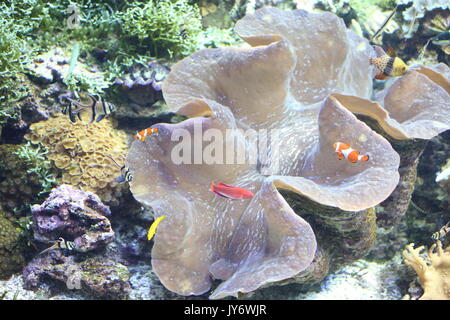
(344, 151)
(142, 135)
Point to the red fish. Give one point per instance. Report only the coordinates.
(142, 135)
(225, 191)
(344, 151)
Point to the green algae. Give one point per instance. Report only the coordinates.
(12, 246)
(14, 53)
(25, 174)
(167, 28)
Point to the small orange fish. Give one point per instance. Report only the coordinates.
(344, 151)
(387, 64)
(142, 135)
(225, 191)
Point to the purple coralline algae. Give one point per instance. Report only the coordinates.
(79, 217)
(74, 215)
(99, 276)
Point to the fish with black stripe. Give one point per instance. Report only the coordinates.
(441, 233)
(98, 107)
(387, 64)
(62, 244)
(125, 173)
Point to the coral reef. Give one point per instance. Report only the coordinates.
(79, 217)
(80, 151)
(142, 84)
(98, 275)
(158, 25)
(14, 47)
(411, 110)
(443, 177)
(277, 84)
(54, 66)
(12, 246)
(361, 280)
(25, 175)
(75, 216)
(419, 23)
(363, 16)
(433, 270)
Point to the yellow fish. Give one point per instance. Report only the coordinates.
(387, 64)
(152, 230)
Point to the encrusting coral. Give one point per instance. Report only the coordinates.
(98, 275)
(433, 270)
(285, 81)
(81, 152)
(11, 246)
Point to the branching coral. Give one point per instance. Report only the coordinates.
(81, 151)
(286, 81)
(433, 271)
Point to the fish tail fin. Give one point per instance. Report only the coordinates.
(379, 51)
(211, 187)
(364, 158)
(120, 179)
(221, 195)
(381, 76)
(49, 249)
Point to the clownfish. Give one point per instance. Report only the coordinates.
(142, 135)
(225, 191)
(442, 232)
(387, 64)
(98, 107)
(60, 244)
(152, 229)
(344, 151)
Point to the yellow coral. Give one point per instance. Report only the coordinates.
(79, 149)
(433, 271)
